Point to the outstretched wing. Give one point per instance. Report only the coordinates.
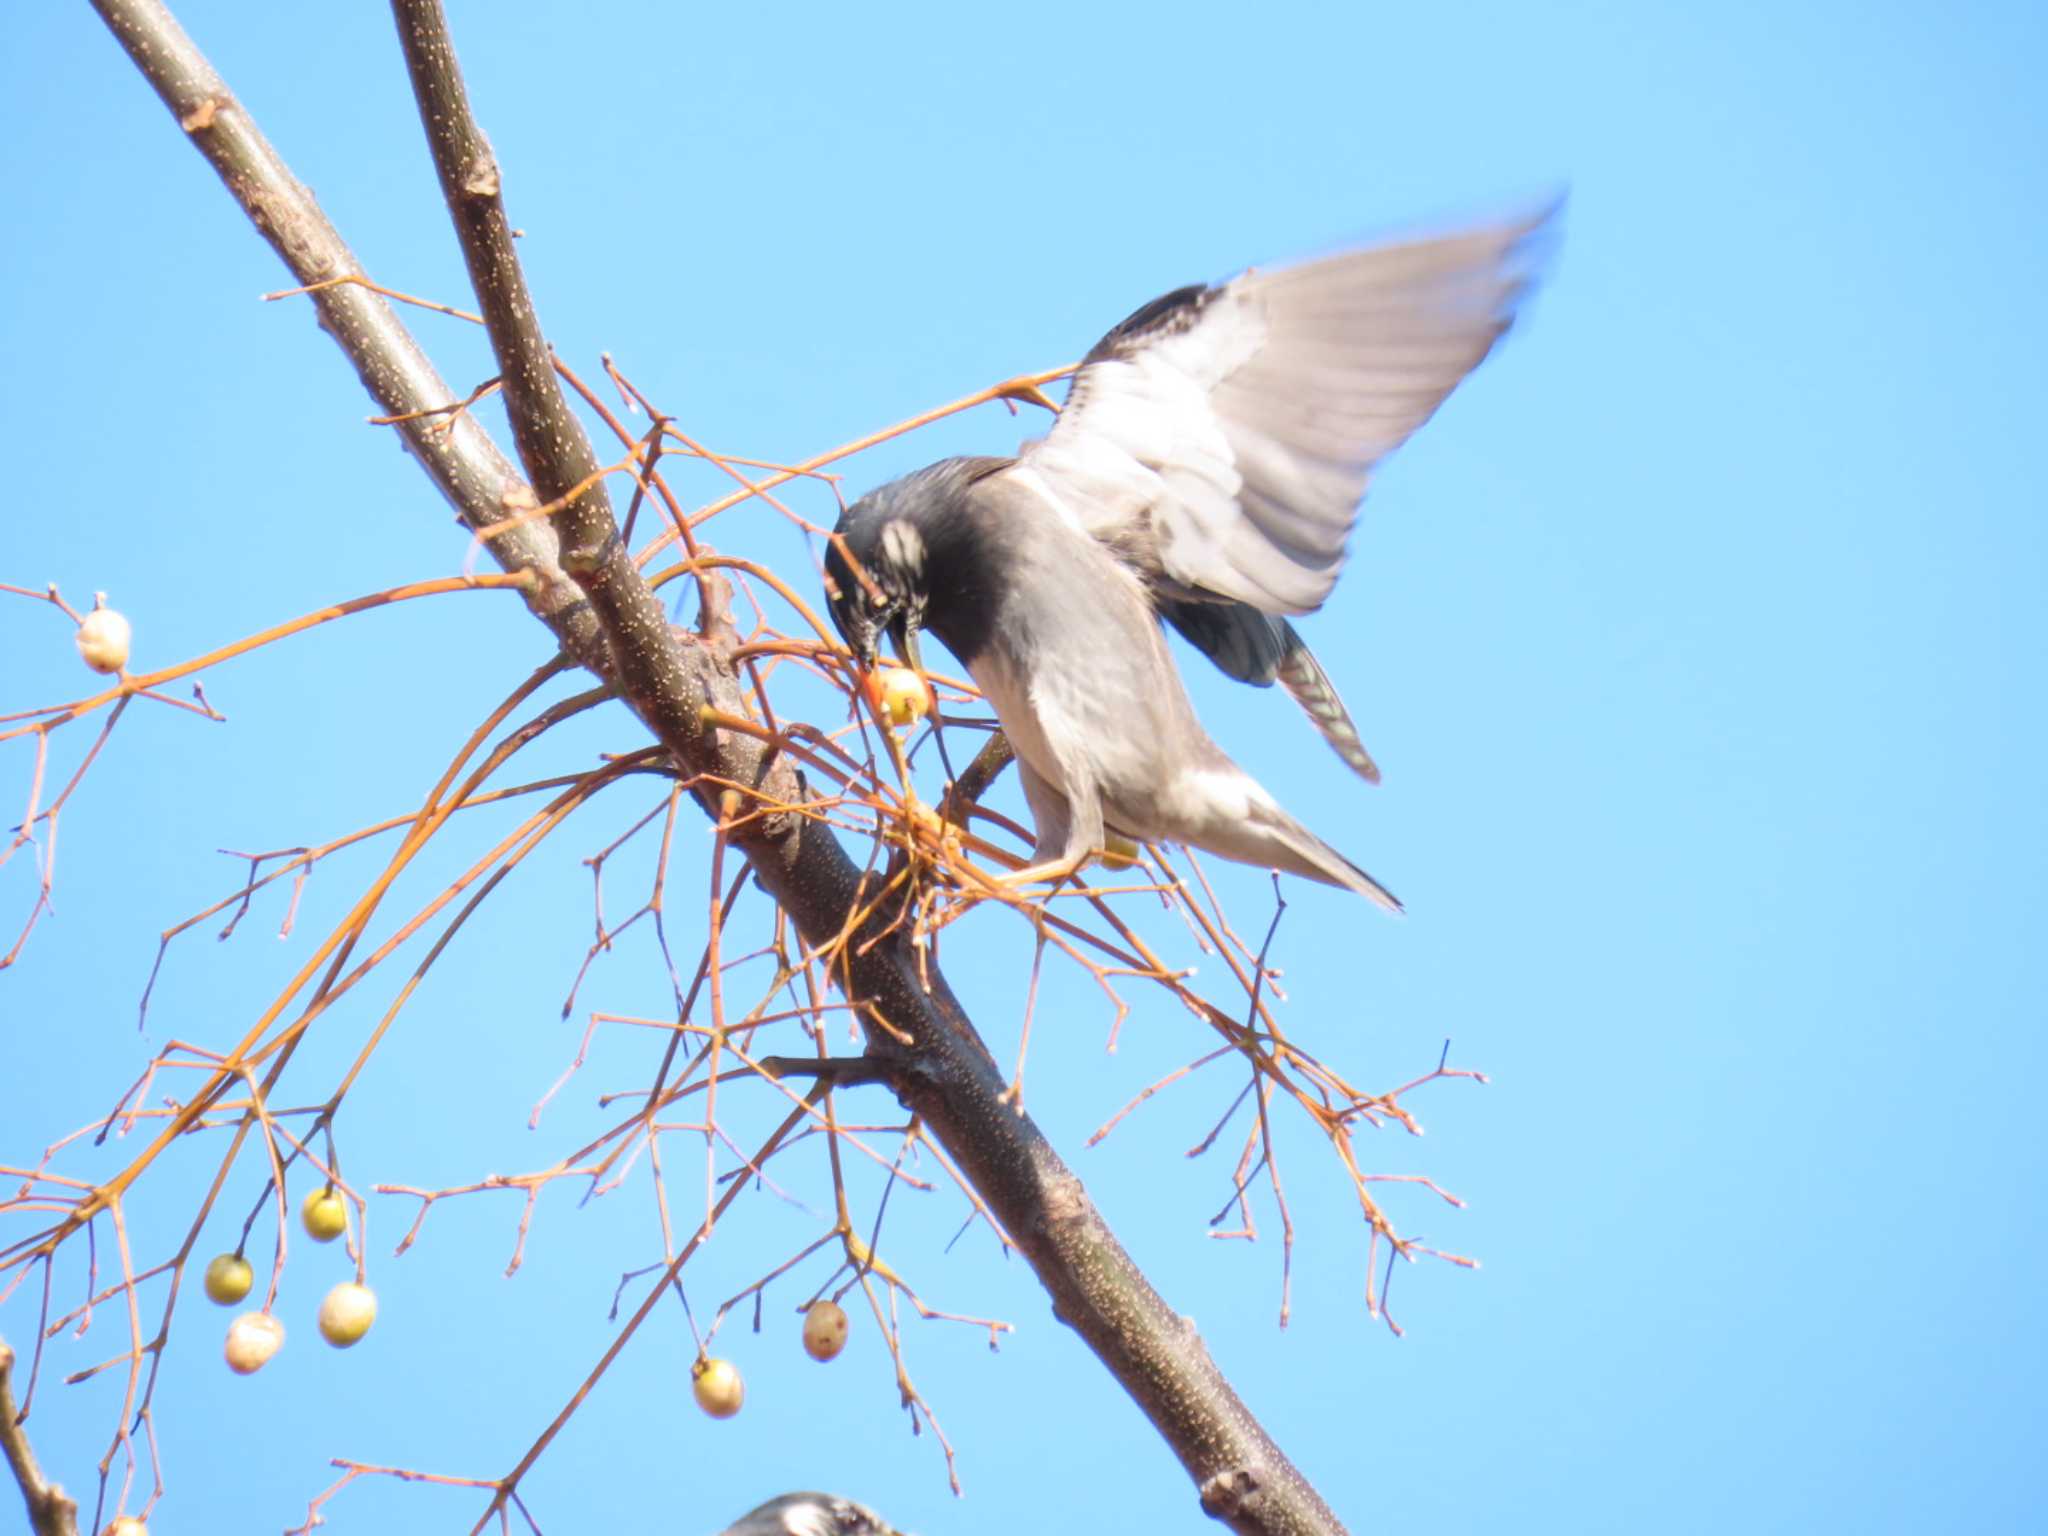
(1219, 440)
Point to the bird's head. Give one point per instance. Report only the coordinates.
(876, 580)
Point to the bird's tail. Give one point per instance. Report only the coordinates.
(1286, 844)
(1365, 885)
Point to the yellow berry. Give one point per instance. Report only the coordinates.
(128, 1525)
(900, 695)
(1117, 852)
(103, 638)
(324, 1215)
(346, 1313)
(252, 1339)
(718, 1387)
(228, 1278)
(824, 1330)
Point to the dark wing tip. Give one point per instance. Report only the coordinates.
(1164, 316)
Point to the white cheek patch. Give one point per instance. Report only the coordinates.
(902, 546)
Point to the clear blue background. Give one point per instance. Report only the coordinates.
(1701, 638)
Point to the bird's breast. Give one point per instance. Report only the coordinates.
(1092, 702)
(1007, 686)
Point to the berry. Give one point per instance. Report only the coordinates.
(718, 1387)
(900, 695)
(824, 1329)
(103, 638)
(346, 1314)
(1117, 852)
(252, 1339)
(228, 1278)
(324, 1215)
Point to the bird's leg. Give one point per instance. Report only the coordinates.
(1059, 871)
(1074, 829)
(1052, 816)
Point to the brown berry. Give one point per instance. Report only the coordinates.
(824, 1329)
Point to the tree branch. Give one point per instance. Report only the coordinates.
(451, 446)
(981, 774)
(618, 628)
(51, 1511)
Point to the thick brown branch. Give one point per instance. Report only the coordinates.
(981, 774)
(51, 1511)
(455, 451)
(559, 460)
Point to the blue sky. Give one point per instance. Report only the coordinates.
(1701, 638)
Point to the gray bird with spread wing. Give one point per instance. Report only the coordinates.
(1206, 470)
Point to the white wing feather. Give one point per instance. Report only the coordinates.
(1223, 443)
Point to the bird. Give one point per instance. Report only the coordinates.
(1205, 472)
(810, 1514)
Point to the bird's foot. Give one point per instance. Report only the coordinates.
(1057, 872)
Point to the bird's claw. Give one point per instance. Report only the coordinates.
(1056, 871)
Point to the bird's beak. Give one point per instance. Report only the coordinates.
(905, 635)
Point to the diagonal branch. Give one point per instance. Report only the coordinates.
(452, 447)
(51, 1511)
(595, 600)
